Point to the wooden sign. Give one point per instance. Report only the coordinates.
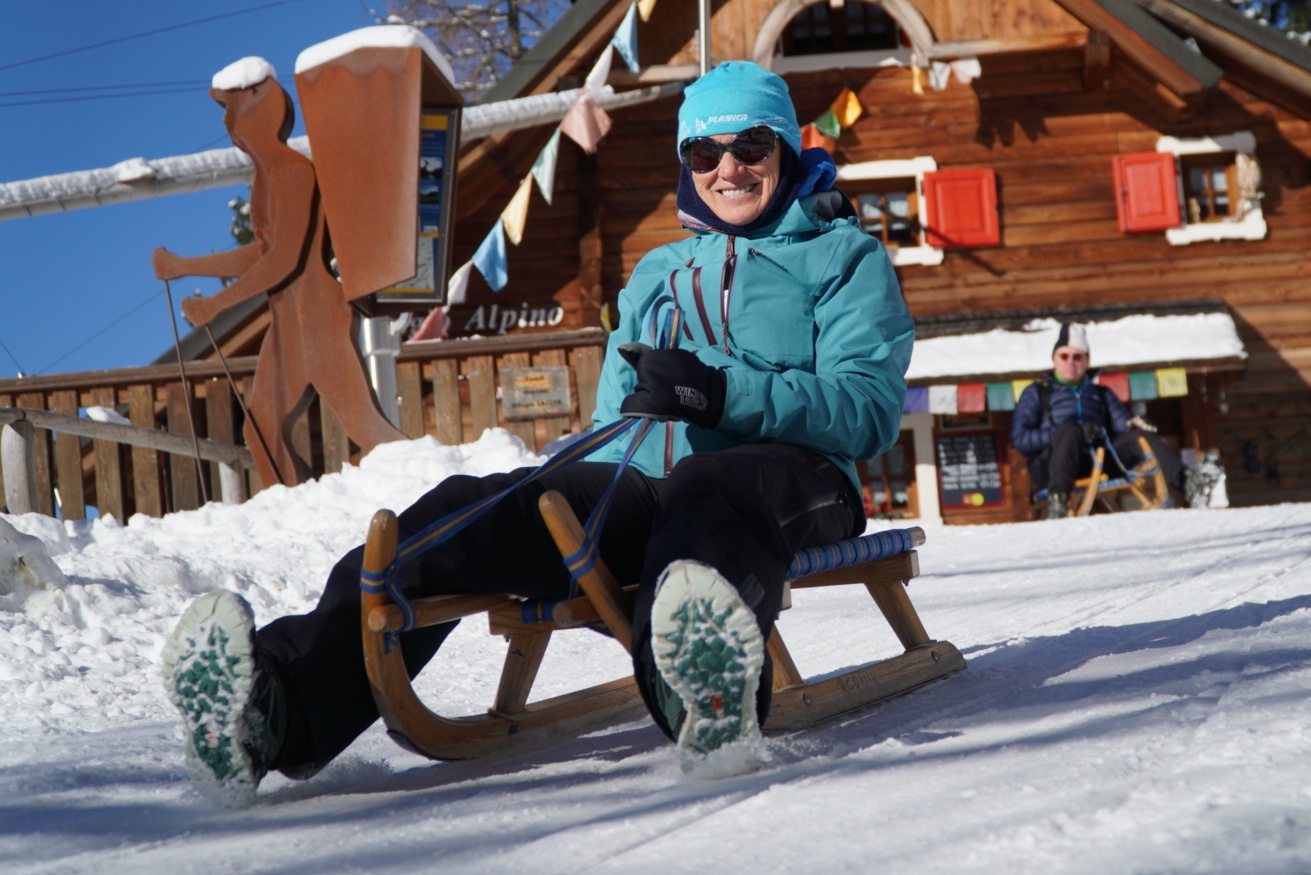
(529, 393)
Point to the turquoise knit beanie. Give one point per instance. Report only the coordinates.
(735, 96)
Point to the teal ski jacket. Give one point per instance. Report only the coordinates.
(804, 316)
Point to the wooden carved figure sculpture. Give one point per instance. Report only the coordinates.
(309, 342)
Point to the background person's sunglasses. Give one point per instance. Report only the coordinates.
(702, 154)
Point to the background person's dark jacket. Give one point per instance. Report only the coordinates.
(1031, 426)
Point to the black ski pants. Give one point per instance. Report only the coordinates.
(745, 511)
(1068, 457)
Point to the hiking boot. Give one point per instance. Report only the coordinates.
(1058, 506)
(231, 701)
(710, 651)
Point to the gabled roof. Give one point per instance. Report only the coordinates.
(1251, 51)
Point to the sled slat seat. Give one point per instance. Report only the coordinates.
(607, 607)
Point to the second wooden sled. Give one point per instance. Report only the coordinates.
(513, 719)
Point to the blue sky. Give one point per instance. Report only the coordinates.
(77, 291)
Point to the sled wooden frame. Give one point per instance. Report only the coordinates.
(512, 719)
(1146, 483)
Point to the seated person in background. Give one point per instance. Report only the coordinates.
(1063, 415)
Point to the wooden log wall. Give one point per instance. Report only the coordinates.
(1051, 142)
(449, 390)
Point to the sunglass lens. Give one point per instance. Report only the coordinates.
(702, 154)
(752, 146)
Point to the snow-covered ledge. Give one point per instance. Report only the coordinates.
(1248, 223)
(914, 168)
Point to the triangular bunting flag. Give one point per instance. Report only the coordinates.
(645, 8)
(625, 38)
(458, 285)
(433, 327)
(585, 123)
(846, 108)
(544, 166)
(827, 124)
(490, 258)
(812, 138)
(595, 82)
(515, 215)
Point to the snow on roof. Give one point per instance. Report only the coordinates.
(379, 35)
(243, 74)
(1131, 340)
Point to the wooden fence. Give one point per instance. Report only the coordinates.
(62, 465)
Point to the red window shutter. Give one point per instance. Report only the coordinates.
(1146, 192)
(962, 208)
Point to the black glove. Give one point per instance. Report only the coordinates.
(1091, 434)
(673, 384)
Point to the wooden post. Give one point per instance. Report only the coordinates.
(336, 443)
(587, 373)
(68, 460)
(18, 459)
(409, 391)
(182, 469)
(40, 450)
(482, 393)
(109, 469)
(447, 425)
(145, 461)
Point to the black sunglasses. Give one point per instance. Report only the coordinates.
(702, 154)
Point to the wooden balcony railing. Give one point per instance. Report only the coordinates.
(57, 462)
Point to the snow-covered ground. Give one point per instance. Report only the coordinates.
(1136, 701)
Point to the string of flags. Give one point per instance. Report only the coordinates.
(824, 131)
(586, 124)
(1001, 397)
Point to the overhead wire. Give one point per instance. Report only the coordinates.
(143, 34)
(103, 329)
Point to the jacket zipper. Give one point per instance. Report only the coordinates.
(726, 291)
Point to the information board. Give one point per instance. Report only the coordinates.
(968, 472)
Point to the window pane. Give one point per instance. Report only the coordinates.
(1196, 179)
(1219, 180)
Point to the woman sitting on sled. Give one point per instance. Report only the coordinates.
(785, 365)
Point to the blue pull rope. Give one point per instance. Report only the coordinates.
(388, 580)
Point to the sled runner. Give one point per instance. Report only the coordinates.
(528, 626)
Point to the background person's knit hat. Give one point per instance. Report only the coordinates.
(735, 96)
(1072, 335)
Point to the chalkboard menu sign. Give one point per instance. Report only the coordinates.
(968, 472)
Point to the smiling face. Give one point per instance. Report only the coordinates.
(739, 193)
(1070, 364)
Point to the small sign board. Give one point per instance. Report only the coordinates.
(968, 470)
(527, 393)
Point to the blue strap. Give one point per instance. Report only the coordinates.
(388, 580)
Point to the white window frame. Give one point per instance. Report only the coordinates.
(915, 168)
(1248, 223)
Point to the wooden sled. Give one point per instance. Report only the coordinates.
(512, 719)
(1145, 484)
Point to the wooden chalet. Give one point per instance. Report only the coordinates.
(1022, 160)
